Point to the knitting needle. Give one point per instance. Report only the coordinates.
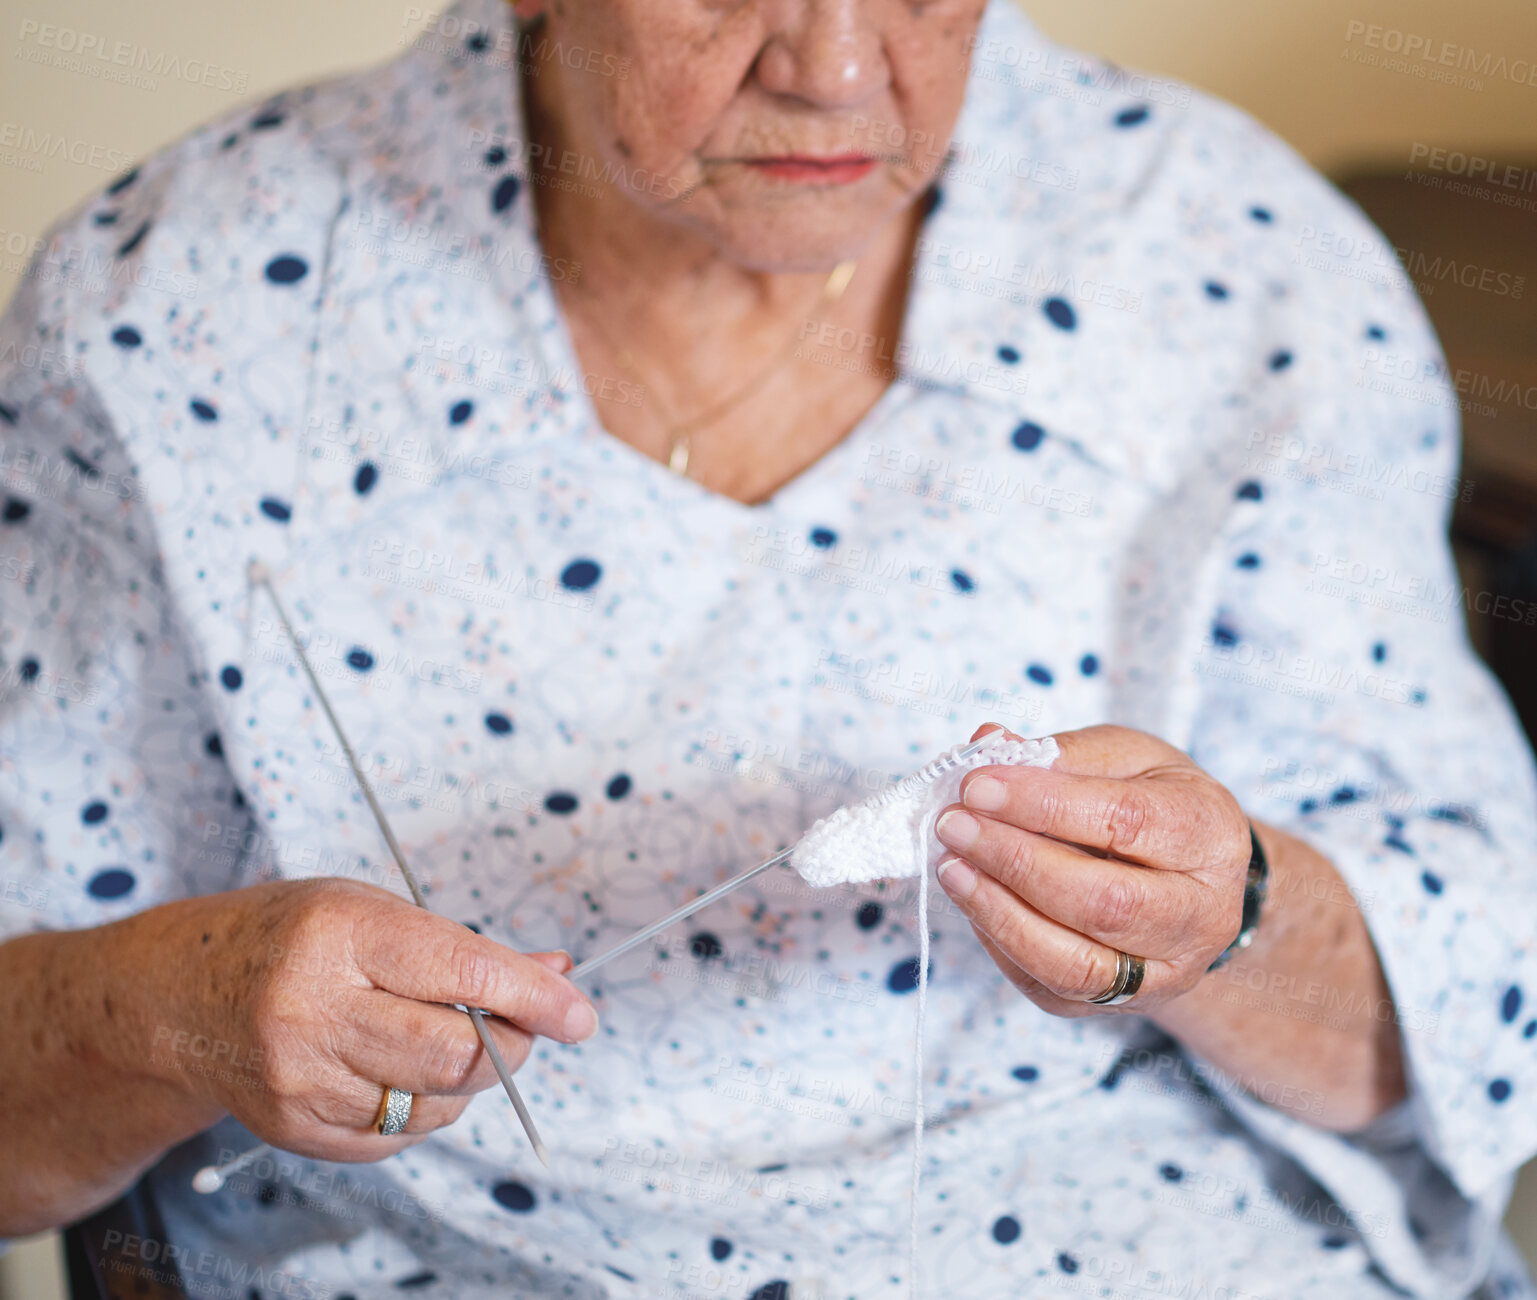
(688, 909)
(925, 774)
(210, 1178)
(257, 572)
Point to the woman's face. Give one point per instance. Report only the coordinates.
(783, 132)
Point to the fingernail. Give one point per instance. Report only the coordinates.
(958, 829)
(581, 1022)
(985, 793)
(957, 878)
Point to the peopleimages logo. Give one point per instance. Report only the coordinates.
(1428, 52)
(1473, 166)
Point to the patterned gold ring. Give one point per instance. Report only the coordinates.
(394, 1112)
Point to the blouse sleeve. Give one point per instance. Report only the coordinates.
(1336, 694)
(114, 795)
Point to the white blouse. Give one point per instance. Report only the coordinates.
(1158, 455)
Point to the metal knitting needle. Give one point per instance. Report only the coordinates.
(211, 1178)
(923, 775)
(688, 909)
(258, 575)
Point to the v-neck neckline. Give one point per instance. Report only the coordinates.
(585, 414)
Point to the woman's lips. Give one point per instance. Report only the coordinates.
(806, 167)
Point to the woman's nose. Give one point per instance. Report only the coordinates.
(828, 53)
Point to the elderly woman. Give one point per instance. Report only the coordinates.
(666, 421)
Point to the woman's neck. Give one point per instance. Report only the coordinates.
(668, 282)
(656, 303)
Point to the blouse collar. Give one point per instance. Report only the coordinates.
(1009, 198)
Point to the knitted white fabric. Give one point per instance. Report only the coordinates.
(891, 835)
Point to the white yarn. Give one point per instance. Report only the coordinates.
(891, 836)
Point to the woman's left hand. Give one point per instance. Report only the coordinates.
(1124, 843)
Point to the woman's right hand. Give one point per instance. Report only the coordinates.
(296, 1002)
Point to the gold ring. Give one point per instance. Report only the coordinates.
(1129, 972)
(394, 1111)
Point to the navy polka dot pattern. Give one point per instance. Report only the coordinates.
(513, 1196)
(1061, 314)
(505, 192)
(287, 269)
(579, 575)
(131, 245)
(904, 976)
(111, 883)
(585, 690)
(705, 946)
(1027, 436)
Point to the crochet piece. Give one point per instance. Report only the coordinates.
(892, 835)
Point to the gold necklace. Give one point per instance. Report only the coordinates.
(681, 432)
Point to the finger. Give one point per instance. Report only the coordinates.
(427, 1048)
(987, 729)
(353, 1106)
(1066, 963)
(1107, 750)
(412, 953)
(1157, 823)
(1151, 913)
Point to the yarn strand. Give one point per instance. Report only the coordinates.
(923, 990)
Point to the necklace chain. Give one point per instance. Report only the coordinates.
(680, 432)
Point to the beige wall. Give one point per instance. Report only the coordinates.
(1300, 67)
(1295, 66)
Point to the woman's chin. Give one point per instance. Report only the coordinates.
(809, 236)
